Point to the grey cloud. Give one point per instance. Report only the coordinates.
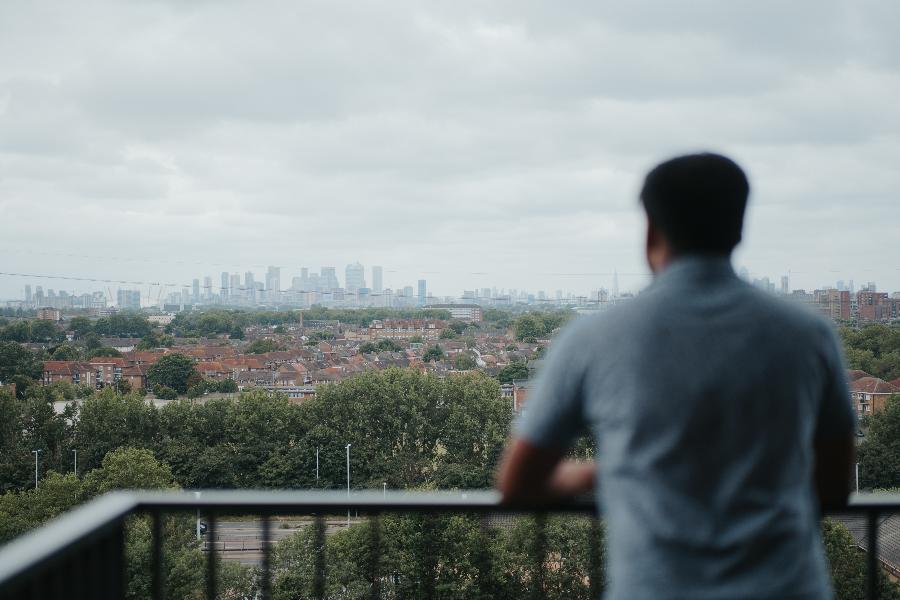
(505, 137)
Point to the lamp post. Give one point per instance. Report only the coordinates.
(317, 466)
(348, 483)
(36, 453)
(75, 452)
(384, 489)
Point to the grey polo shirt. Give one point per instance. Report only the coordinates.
(703, 396)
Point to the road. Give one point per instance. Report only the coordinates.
(241, 541)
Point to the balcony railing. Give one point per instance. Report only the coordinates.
(82, 553)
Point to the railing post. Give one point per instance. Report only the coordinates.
(595, 557)
(538, 556)
(318, 586)
(157, 558)
(872, 556)
(373, 568)
(267, 557)
(211, 561)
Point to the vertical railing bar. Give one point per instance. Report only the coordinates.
(157, 558)
(211, 561)
(319, 559)
(872, 556)
(595, 566)
(540, 555)
(266, 557)
(120, 575)
(375, 555)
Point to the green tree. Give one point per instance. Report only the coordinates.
(848, 565)
(103, 351)
(528, 328)
(15, 359)
(107, 421)
(154, 340)
(20, 331)
(81, 326)
(66, 352)
(434, 353)
(172, 370)
(879, 455)
(448, 334)
(874, 349)
(464, 361)
(128, 468)
(262, 346)
(164, 392)
(514, 371)
(45, 331)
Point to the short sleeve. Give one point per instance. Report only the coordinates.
(552, 416)
(836, 416)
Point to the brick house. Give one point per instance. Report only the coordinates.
(870, 394)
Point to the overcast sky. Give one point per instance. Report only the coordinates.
(472, 144)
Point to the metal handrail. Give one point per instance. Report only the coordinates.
(79, 527)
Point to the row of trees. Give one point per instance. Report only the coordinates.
(533, 326)
(875, 349)
(409, 429)
(233, 321)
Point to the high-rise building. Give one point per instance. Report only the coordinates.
(223, 290)
(28, 297)
(207, 288)
(786, 285)
(249, 287)
(377, 281)
(354, 277)
(328, 279)
(422, 291)
(128, 299)
(195, 291)
(273, 283)
(304, 285)
(234, 288)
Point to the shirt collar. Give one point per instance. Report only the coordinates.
(697, 268)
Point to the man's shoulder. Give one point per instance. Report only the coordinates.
(789, 315)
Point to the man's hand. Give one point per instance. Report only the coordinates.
(834, 459)
(534, 475)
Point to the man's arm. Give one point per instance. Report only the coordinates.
(834, 442)
(834, 458)
(535, 475)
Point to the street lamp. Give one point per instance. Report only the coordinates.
(75, 452)
(36, 452)
(317, 466)
(384, 489)
(348, 483)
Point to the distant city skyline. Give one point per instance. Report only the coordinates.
(258, 290)
(477, 145)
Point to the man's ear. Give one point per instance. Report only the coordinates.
(657, 248)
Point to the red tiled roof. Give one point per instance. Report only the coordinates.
(107, 360)
(873, 385)
(854, 374)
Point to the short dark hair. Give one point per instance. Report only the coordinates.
(697, 201)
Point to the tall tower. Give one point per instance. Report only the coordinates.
(273, 283)
(223, 290)
(355, 277)
(377, 282)
(329, 280)
(422, 290)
